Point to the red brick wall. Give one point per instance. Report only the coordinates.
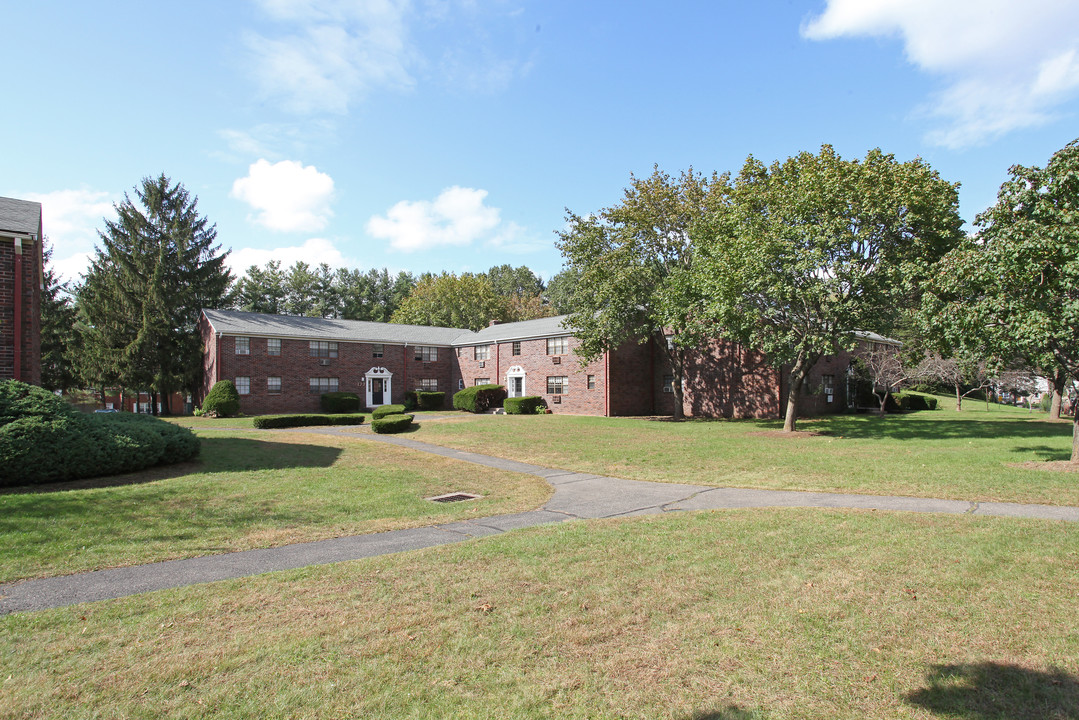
(537, 366)
(726, 380)
(30, 345)
(632, 371)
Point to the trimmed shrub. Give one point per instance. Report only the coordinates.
(528, 405)
(222, 401)
(410, 400)
(383, 410)
(50, 441)
(429, 400)
(912, 402)
(339, 402)
(479, 398)
(269, 422)
(392, 424)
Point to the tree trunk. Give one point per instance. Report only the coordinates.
(958, 399)
(884, 403)
(1056, 387)
(1075, 438)
(798, 375)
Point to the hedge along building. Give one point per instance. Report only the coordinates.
(21, 276)
(283, 363)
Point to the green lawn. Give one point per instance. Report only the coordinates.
(973, 455)
(737, 615)
(249, 489)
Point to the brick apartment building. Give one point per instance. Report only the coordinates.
(283, 363)
(21, 265)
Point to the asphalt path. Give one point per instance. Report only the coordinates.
(576, 496)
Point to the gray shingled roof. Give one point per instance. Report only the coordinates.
(235, 322)
(20, 216)
(524, 330)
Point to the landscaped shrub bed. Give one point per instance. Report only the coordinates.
(392, 424)
(222, 400)
(383, 410)
(479, 398)
(43, 439)
(340, 402)
(911, 402)
(270, 422)
(523, 405)
(421, 400)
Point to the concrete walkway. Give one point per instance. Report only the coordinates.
(576, 496)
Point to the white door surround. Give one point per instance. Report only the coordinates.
(378, 378)
(515, 381)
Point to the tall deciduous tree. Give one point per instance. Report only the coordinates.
(815, 248)
(637, 262)
(447, 300)
(156, 269)
(1014, 288)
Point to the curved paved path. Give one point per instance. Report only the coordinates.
(576, 496)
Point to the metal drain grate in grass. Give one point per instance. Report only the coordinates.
(453, 497)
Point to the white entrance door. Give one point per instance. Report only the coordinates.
(515, 381)
(379, 388)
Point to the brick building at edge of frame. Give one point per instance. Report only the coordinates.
(21, 266)
(283, 363)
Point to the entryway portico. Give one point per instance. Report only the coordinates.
(379, 386)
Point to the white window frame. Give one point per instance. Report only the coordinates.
(243, 345)
(273, 346)
(243, 384)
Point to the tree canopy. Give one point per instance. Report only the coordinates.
(1013, 289)
(814, 248)
(637, 262)
(156, 269)
(59, 341)
(448, 300)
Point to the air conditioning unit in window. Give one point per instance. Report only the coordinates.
(483, 364)
(556, 399)
(555, 359)
(323, 362)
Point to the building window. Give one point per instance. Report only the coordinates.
(273, 385)
(459, 351)
(591, 382)
(321, 385)
(481, 381)
(323, 349)
(516, 348)
(427, 384)
(460, 382)
(668, 383)
(557, 385)
(556, 346)
(243, 346)
(243, 385)
(483, 352)
(273, 346)
(376, 350)
(426, 353)
(670, 342)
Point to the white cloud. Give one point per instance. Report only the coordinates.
(287, 195)
(338, 50)
(313, 252)
(70, 220)
(1007, 65)
(456, 218)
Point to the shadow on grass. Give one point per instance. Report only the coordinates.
(730, 712)
(1044, 452)
(216, 455)
(924, 428)
(994, 691)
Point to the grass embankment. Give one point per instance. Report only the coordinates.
(973, 455)
(248, 490)
(764, 614)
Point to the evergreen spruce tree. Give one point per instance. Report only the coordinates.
(59, 342)
(156, 269)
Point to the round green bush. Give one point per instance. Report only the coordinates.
(340, 403)
(44, 439)
(528, 405)
(392, 424)
(222, 401)
(383, 410)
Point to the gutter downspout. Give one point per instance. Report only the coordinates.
(404, 376)
(607, 384)
(18, 309)
(498, 362)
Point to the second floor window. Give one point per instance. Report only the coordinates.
(243, 346)
(323, 349)
(426, 353)
(273, 346)
(516, 348)
(483, 352)
(376, 350)
(556, 346)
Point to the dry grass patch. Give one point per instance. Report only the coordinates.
(771, 614)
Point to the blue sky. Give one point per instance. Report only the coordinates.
(452, 134)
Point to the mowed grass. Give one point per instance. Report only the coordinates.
(974, 455)
(762, 614)
(249, 489)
